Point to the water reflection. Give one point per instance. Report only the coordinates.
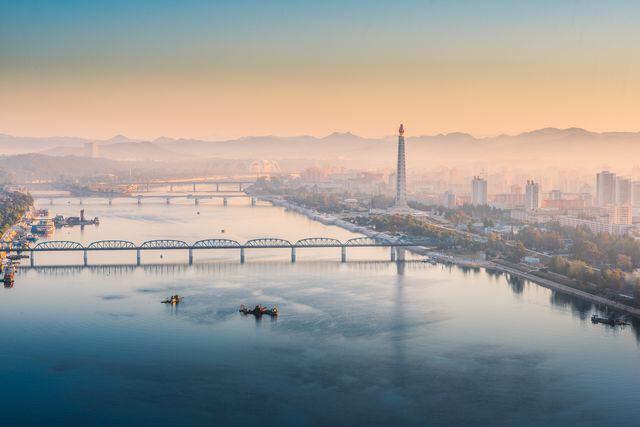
(516, 283)
(361, 342)
(578, 307)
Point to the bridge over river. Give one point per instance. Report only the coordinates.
(396, 246)
(166, 197)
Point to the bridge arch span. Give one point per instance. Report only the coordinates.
(268, 242)
(58, 245)
(216, 243)
(311, 242)
(362, 241)
(164, 244)
(112, 244)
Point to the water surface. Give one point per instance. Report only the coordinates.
(364, 342)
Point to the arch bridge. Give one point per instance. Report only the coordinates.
(395, 246)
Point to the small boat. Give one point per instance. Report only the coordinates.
(259, 310)
(173, 300)
(9, 272)
(608, 320)
(43, 226)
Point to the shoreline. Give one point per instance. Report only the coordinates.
(329, 219)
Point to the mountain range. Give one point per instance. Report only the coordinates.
(548, 146)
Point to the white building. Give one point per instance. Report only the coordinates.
(595, 226)
(623, 191)
(449, 200)
(555, 195)
(622, 214)
(479, 191)
(532, 196)
(605, 188)
(635, 194)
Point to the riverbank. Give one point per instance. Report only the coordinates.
(564, 288)
(328, 219)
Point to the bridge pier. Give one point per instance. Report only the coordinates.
(225, 202)
(401, 254)
(147, 188)
(217, 187)
(194, 187)
(392, 251)
(32, 258)
(168, 201)
(110, 201)
(190, 256)
(196, 201)
(343, 257)
(253, 201)
(85, 257)
(171, 188)
(293, 254)
(241, 255)
(240, 187)
(138, 257)
(139, 200)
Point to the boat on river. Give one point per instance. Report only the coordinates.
(173, 300)
(43, 226)
(259, 310)
(608, 320)
(9, 273)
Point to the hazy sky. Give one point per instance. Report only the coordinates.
(214, 69)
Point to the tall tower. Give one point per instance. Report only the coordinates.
(401, 173)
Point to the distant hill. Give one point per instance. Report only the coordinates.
(574, 147)
(129, 151)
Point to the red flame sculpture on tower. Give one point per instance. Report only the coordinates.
(401, 130)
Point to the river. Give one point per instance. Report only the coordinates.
(363, 342)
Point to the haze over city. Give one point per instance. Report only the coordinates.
(335, 213)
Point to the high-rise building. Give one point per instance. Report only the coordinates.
(449, 200)
(401, 173)
(635, 194)
(606, 188)
(516, 189)
(532, 196)
(478, 191)
(623, 191)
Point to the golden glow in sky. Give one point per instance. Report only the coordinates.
(209, 70)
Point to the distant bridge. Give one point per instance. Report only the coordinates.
(220, 184)
(216, 243)
(166, 197)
